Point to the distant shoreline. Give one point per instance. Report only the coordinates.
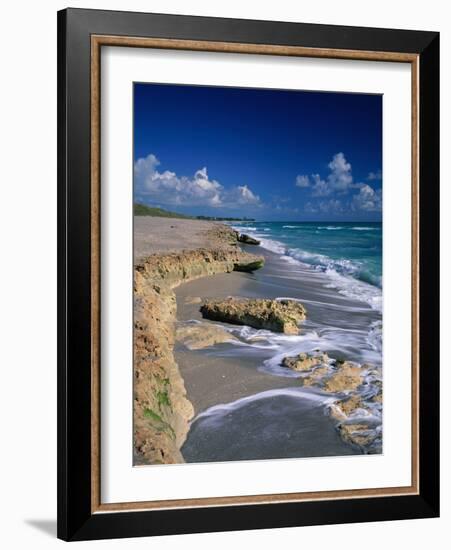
(140, 209)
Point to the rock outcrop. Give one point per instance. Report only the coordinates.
(276, 315)
(247, 239)
(162, 410)
(348, 377)
(358, 390)
(305, 361)
(249, 266)
(329, 375)
(361, 435)
(345, 408)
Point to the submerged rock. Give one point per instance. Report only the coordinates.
(246, 239)
(347, 377)
(333, 377)
(275, 315)
(316, 377)
(348, 407)
(202, 335)
(360, 435)
(305, 361)
(378, 397)
(248, 266)
(356, 408)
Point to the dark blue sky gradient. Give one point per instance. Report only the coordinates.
(262, 139)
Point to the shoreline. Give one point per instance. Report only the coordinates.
(162, 410)
(227, 382)
(224, 373)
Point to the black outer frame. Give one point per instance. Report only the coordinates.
(75, 520)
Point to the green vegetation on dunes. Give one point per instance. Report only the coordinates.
(140, 209)
(143, 210)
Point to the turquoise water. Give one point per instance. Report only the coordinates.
(343, 250)
(349, 248)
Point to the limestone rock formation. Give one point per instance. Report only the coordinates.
(276, 315)
(249, 266)
(305, 361)
(162, 410)
(247, 239)
(360, 435)
(347, 377)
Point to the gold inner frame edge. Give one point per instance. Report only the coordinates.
(97, 41)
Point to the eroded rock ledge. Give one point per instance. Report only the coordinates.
(276, 315)
(162, 410)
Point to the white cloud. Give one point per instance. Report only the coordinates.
(302, 181)
(242, 195)
(321, 188)
(367, 199)
(339, 179)
(199, 190)
(374, 176)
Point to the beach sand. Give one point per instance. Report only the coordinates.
(243, 409)
(156, 235)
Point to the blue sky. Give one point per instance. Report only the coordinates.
(265, 154)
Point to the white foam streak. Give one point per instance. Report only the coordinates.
(339, 272)
(243, 228)
(273, 246)
(355, 289)
(223, 409)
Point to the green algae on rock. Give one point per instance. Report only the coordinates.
(249, 266)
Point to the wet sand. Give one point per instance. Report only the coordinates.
(279, 423)
(279, 426)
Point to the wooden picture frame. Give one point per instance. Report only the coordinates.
(81, 35)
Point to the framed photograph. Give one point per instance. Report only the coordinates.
(248, 274)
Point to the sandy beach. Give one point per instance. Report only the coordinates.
(159, 235)
(237, 401)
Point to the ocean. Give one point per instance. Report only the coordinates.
(349, 253)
